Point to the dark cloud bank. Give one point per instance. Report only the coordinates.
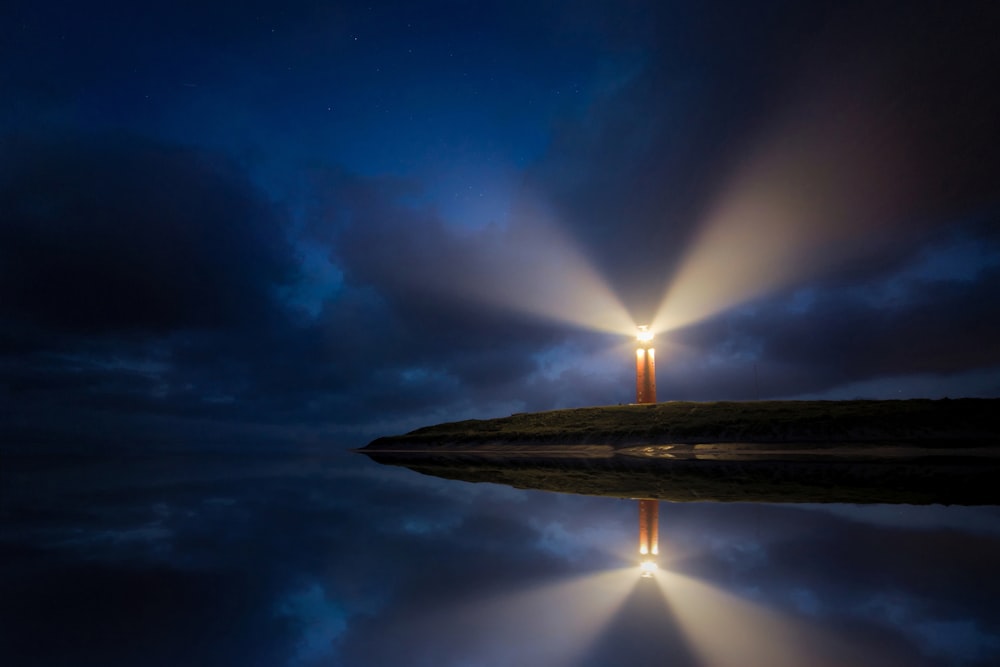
(161, 291)
(182, 264)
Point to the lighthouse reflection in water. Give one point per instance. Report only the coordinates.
(649, 516)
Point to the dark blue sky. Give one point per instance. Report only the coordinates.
(323, 222)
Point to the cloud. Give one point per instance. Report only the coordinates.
(139, 278)
(123, 234)
(771, 169)
(154, 288)
(831, 333)
(750, 154)
(823, 150)
(275, 560)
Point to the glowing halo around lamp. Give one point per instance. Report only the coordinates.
(648, 568)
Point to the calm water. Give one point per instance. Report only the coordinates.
(303, 560)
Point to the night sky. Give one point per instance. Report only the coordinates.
(320, 222)
(237, 239)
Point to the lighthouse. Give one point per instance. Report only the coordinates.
(645, 367)
(645, 392)
(649, 548)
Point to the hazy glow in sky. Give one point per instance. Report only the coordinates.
(824, 188)
(321, 219)
(534, 267)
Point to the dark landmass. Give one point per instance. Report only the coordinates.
(913, 451)
(969, 421)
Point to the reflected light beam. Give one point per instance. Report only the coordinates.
(725, 629)
(548, 625)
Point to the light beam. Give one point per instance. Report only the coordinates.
(553, 624)
(726, 629)
(823, 186)
(528, 266)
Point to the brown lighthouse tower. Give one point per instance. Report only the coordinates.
(645, 367)
(649, 515)
(649, 548)
(645, 392)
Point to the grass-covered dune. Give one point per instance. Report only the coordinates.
(966, 422)
(914, 451)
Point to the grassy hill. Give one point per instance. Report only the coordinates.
(970, 422)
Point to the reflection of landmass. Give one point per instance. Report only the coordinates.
(962, 480)
(915, 451)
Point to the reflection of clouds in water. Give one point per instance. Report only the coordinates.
(121, 530)
(978, 520)
(321, 621)
(417, 526)
(805, 601)
(579, 529)
(565, 542)
(741, 556)
(322, 557)
(848, 566)
(114, 539)
(961, 640)
(107, 534)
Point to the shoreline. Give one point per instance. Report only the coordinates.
(898, 452)
(920, 423)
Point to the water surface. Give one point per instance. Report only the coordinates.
(281, 559)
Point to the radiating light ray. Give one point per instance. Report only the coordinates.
(563, 617)
(642, 632)
(549, 625)
(543, 273)
(527, 266)
(824, 186)
(724, 629)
